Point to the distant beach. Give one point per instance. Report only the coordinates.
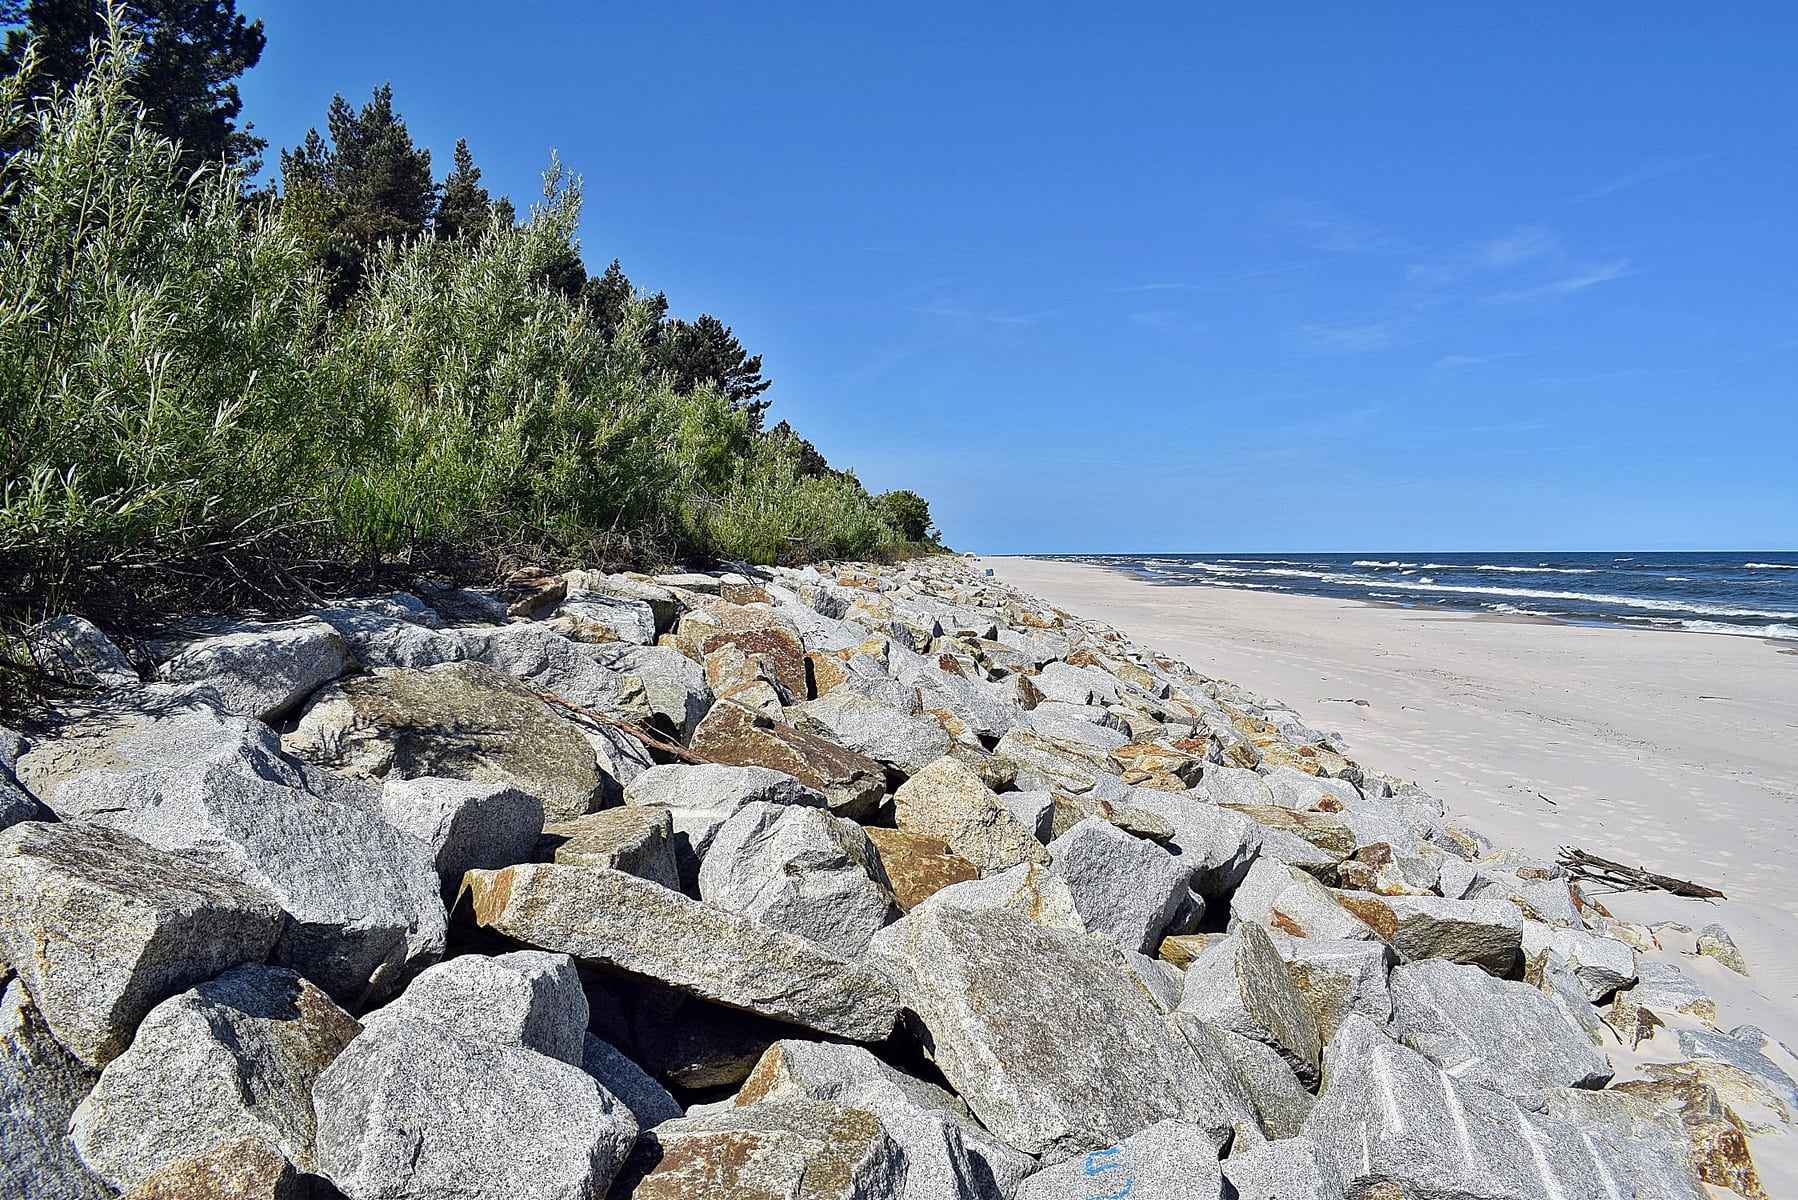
(1676, 752)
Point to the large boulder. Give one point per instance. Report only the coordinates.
(384, 639)
(101, 928)
(1339, 976)
(609, 919)
(1029, 889)
(546, 661)
(415, 1108)
(989, 990)
(948, 1156)
(660, 686)
(598, 617)
(245, 1169)
(639, 841)
(458, 720)
(852, 784)
(901, 740)
(1485, 933)
(233, 1058)
(701, 797)
(918, 865)
(40, 1085)
(948, 800)
(363, 897)
(265, 671)
(528, 998)
(1502, 1035)
(648, 1100)
(466, 823)
(1170, 1160)
(795, 1150)
(1601, 964)
(72, 650)
(1125, 888)
(1291, 901)
(1217, 846)
(1241, 984)
(801, 870)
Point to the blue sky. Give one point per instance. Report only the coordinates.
(1200, 276)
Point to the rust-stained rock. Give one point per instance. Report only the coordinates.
(244, 1169)
(780, 1150)
(825, 674)
(1322, 830)
(1161, 761)
(1180, 949)
(734, 589)
(919, 865)
(748, 680)
(1720, 1153)
(608, 919)
(530, 589)
(947, 800)
(758, 632)
(853, 784)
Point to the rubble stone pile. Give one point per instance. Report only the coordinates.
(848, 882)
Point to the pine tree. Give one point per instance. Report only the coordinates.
(706, 351)
(466, 209)
(193, 52)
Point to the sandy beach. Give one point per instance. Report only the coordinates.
(1675, 751)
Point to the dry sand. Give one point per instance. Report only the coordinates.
(1675, 751)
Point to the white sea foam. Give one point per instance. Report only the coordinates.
(1508, 570)
(1369, 562)
(1780, 630)
(1770, 566)
(1604, 598)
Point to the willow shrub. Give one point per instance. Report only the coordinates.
(172, 383)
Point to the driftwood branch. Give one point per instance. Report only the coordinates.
(1626, 878)
(648, 739)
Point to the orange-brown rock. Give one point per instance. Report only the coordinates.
(918, 865)
(825, 673)
(533, 588)
(245, 1169)
(734, 592)
(788, 1149)
(1154, 760)
(853, 784)
(1719, 1142)
(1180, 949)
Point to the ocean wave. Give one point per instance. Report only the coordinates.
(1605, 598)
(1369, 562)
(1770, 566)
(1508, 570)
(1779, 630)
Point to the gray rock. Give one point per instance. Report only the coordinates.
(1289, 900)
(660, 600)
(467, 824)
(380, 639)
(1283, 1170)
(17, 804)
(233, 1058)
(702, 797)
(948, 800)
(947, 1155)
(990, 989)
(1076, 685)
(243, 1169)
(1644, 1143)
(1492, 1032)
(1029, 889)
(414, 1108)
(1339, 976)
(1124, 888)
(459, 720)
(1047, 762)
(1035, 811)
(610, 919)
(1388, 1117)
(363, 897)
(1161, 980)
(598, 617)
(168, 924)
(801, 870)
(1664, 988)
(69, 649)
(40, 1085)
(853, 785)
(904, 742)
(1744, 1054)
(1086, 723)
(1551, 975)
(1601, 964)
(528, 998)
(1241, 984)
(688, 581)
(264, 671)
(805, 1149)
(1216, 844)
(638, 841)
(1292, 788)
(1234, 785)
(1485, 933)
(1169, 1160)
(660, 685)
(648, 1100)
(1266, 1081)
(546, 661)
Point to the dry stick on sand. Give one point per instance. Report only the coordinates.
(1631, 879)
(654, 743)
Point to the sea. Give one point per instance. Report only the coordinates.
(1753, 593)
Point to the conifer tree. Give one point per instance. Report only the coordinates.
(465, 209)
(706, 351)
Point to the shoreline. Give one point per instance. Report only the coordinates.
(1680, 754)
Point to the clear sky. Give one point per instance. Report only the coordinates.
(1194, 276)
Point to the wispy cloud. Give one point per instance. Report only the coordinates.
(1358, 338)
(1460, 362)
(1629, 179)
(1567, 285)
(1336, 232)
(960, 312)
(1493, 254)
